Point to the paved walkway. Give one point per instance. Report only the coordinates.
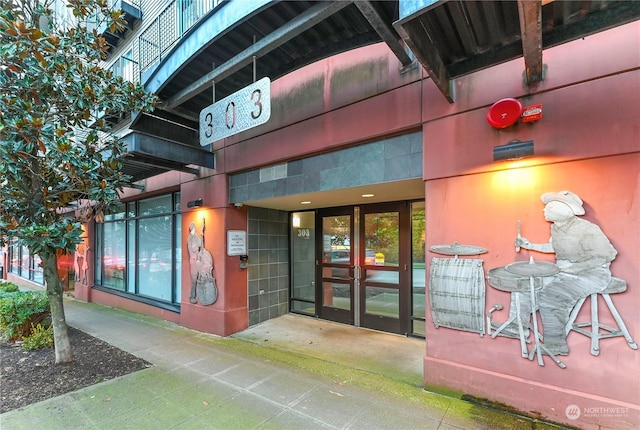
(289, 373)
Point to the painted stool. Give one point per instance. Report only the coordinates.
(600, 331)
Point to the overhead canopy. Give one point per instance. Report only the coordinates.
(454, 38)
(447, 38)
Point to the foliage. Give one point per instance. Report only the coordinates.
(58, 150)
(57, 146)
(8, 287)
(40, 337)
(418, 218)
(19, 310)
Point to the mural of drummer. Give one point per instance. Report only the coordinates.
(583, 254)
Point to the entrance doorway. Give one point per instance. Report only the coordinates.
(367, 268)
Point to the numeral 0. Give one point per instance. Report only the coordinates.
(231, 105)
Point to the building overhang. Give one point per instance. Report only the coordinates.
(149, 156)
(448, 38)
(454, 38)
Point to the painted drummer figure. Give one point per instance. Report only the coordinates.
(583, 255)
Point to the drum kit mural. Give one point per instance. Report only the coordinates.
(546, 297)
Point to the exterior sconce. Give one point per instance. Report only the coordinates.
(244, 261)
(194, 203)
(513, 150)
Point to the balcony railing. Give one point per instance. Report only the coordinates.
(168, 28)
(127, 68)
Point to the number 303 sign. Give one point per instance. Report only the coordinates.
(242, 110)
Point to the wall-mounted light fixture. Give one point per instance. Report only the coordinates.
(513, 150)
(194, 203)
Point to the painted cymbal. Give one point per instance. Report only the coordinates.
(457, 249)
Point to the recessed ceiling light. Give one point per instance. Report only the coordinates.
(306, 202)
(368, 195)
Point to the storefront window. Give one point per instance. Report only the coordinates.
(154, 205)
(139, 250)
(155, 256)
(14, 258)
(24, 261)
(23, 264)
(114, 265)
(37, 274)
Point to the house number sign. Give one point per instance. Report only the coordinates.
(242, 110)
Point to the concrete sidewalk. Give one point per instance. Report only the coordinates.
(289, 373)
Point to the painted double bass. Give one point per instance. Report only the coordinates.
(203, 281)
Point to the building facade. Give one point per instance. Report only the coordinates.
(341, 204)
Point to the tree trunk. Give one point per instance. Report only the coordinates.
(54, 291)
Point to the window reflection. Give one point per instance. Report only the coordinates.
(303, 244)
(155, 257)
(114, 255)
(139, 249)
(382, 238)
(418, 231)
(382, 301)
(336, 295)
(155, 205)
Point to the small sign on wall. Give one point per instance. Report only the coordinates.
(532, 113)
(236, 242)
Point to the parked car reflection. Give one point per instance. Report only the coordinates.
(114, 266)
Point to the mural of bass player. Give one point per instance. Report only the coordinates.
(203, 281)
(583, 255)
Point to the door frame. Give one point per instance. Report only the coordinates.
(401, 325)
(357, 269)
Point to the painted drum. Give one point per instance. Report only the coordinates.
(504, 113)
(502, 280)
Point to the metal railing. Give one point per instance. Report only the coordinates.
(168, 28)
(127, 68)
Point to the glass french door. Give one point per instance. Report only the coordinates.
(336, 266)
(364, 269)
(384, 281)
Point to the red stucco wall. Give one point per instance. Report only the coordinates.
(588, 141)
(229, 313)
(482, 210)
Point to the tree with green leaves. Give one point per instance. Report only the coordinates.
(57, 149)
